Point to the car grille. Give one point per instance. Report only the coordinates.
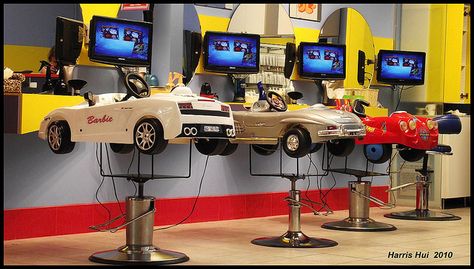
(352, 126)
(239, 128)
(353, 129)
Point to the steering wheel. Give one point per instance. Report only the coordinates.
(276, 101)
(136, 87)
(358, 107)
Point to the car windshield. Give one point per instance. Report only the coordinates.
(318, 106)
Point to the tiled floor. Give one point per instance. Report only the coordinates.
(228, 242)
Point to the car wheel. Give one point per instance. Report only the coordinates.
(229, 149)
(121, 148)
(149, 137)
(341, 147)
(411, 154)
(315, 147)
(211, 146)
(296, 142)
(59, 137)
(264, 150)
(378, 153)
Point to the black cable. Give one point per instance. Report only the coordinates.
(399, 98)
(113, 180)
(195, 200)
(100, 185)
(319, 184)
(309, 180)
(128, 171)
(372, 178)
(322, 196)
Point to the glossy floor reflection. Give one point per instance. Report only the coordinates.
(228, 242)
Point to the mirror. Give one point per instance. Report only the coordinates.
(192, 40)
(347, 26)
(272, 23)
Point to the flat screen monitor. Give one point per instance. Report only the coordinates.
(120, 42)
(401, 67)
(69, 37)
(231, 52)
(322, 61)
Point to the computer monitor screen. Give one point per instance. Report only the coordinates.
(322, 61)
(120, 42)
(231, 52)
(401, 67)
(69, 37)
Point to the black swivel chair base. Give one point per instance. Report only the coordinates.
(359, 225)
(294, 240)
(419, 214)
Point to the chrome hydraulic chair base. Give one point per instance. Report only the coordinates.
(139, 231)
(294, 237)
(358, 220)
(421, 211)
(127, 255)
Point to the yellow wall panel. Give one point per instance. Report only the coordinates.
(19, 58)
(453, 55)
(34, 107)
(467, 88)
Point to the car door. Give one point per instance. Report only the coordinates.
(106, 123)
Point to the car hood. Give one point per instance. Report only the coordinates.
(338, 116)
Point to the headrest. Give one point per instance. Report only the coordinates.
(448, 124)
(182, 90)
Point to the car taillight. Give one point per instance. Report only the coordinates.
(185, 106)
(431, 124)
(224, 108)
(403, 126)
(412, 125)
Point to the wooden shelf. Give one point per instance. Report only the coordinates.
(23, 113)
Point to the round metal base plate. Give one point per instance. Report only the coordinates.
(422, 215)
(144, 255)
(294, 240)
(359, 225)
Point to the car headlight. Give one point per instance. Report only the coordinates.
(403, 125)
(412, 125)
(431, 124)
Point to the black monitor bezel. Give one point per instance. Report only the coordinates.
(230, 69)
(119, 61)
(59, 39)
(400, 81)
(325, 76)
